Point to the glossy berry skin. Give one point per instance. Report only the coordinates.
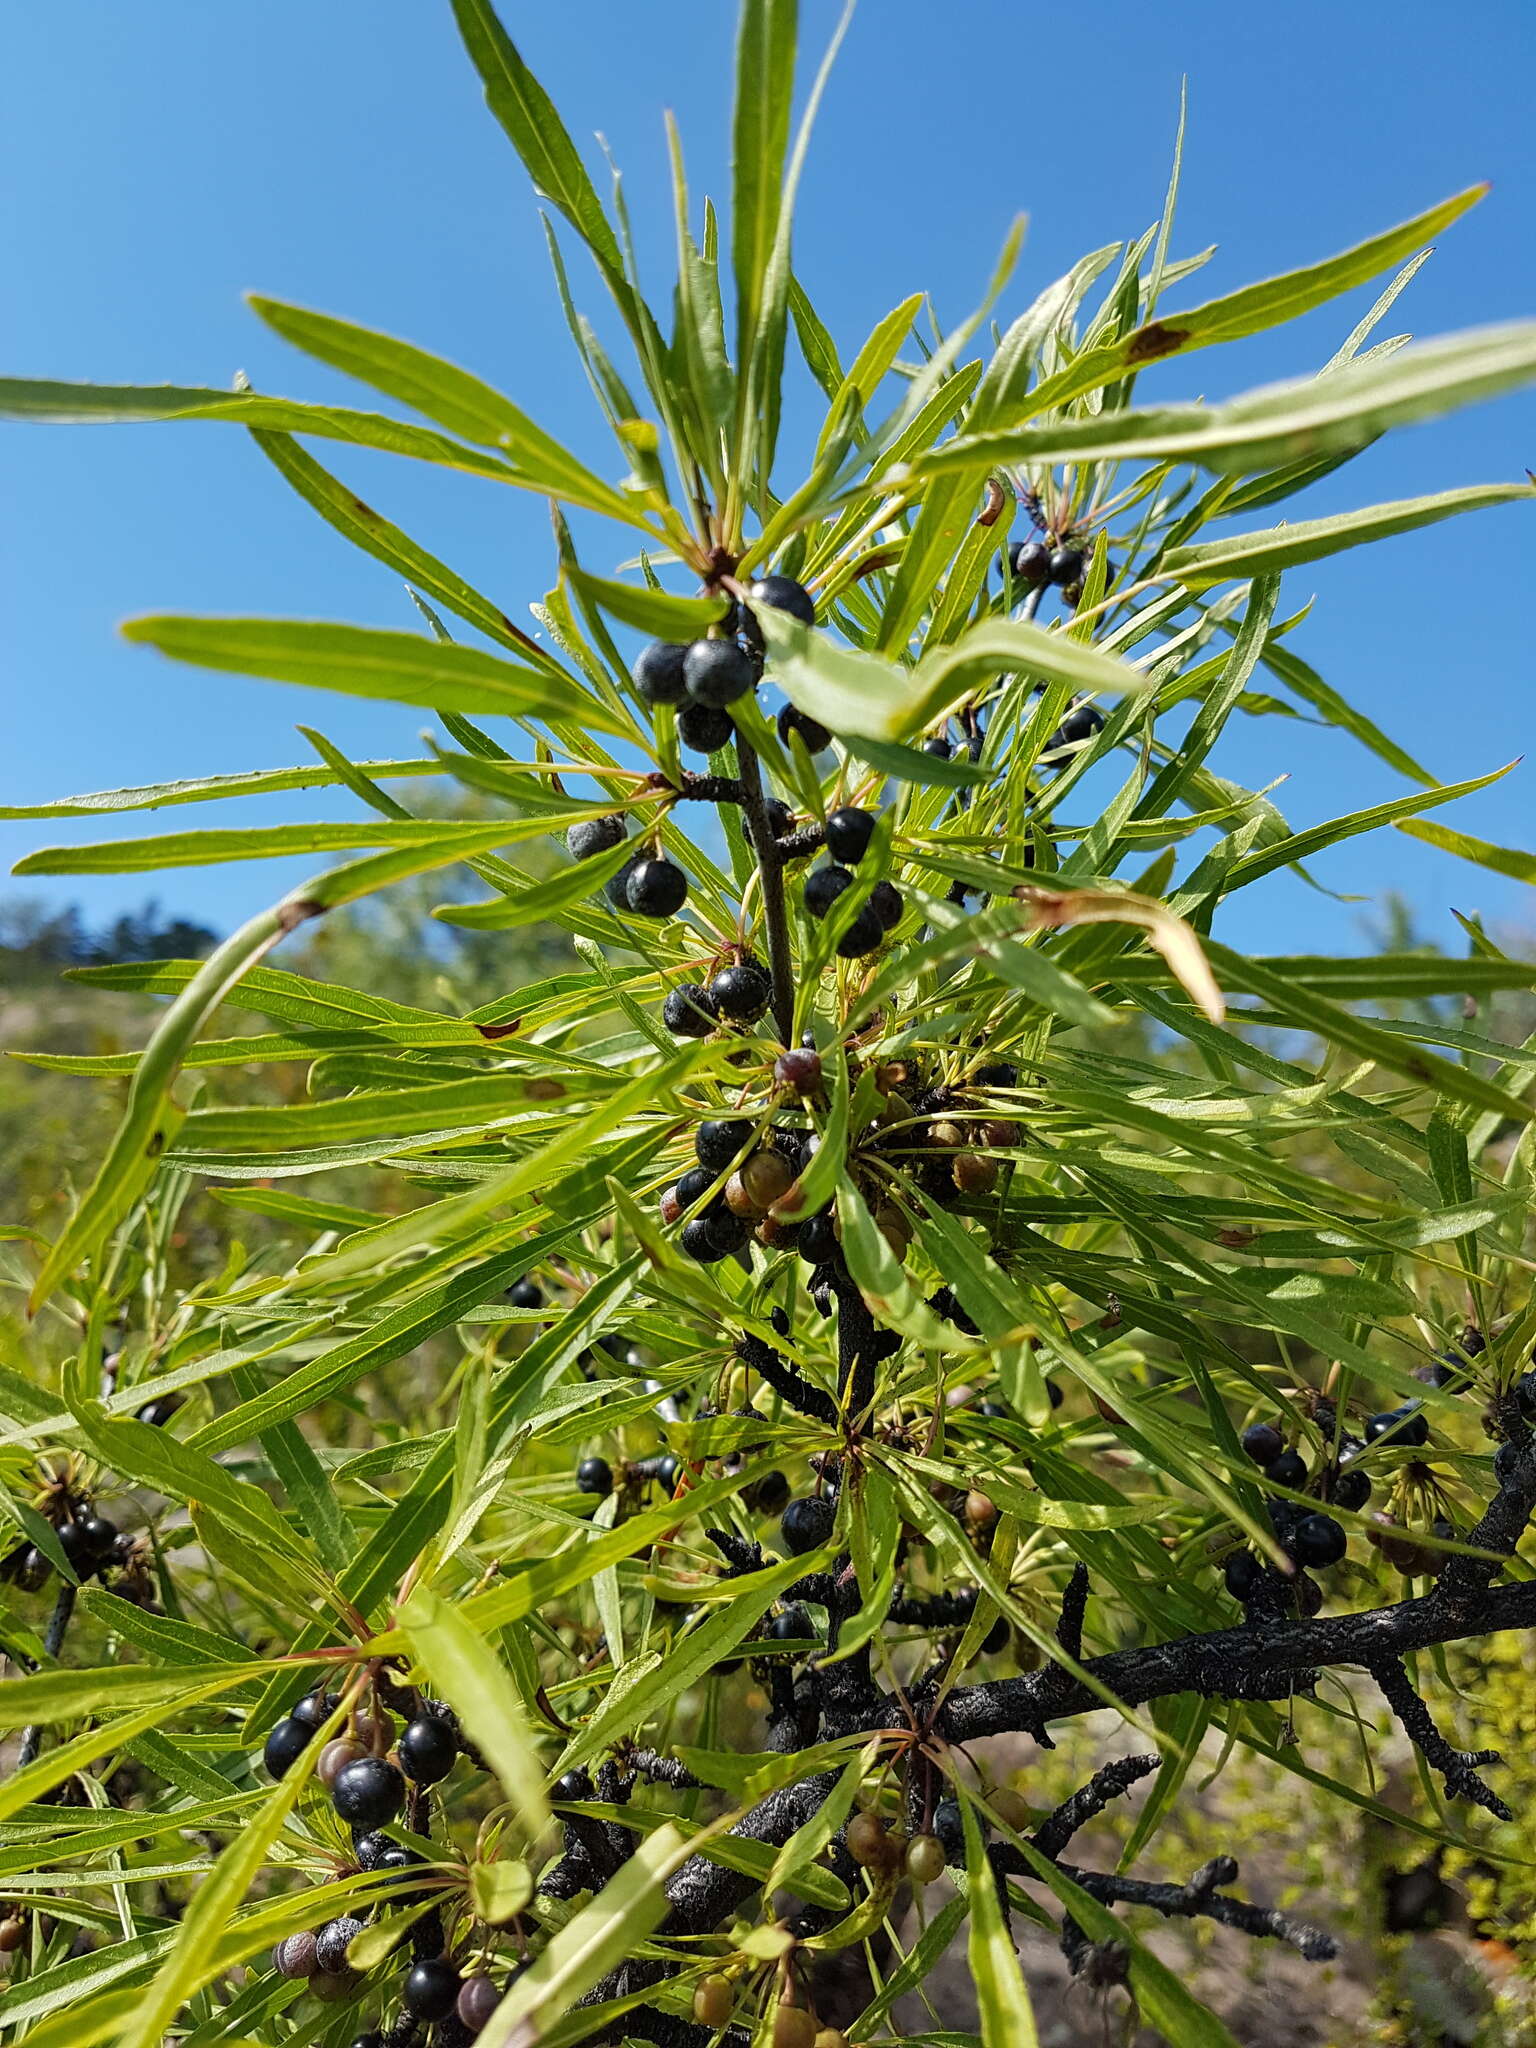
(1405, 1425)
(717, 672)
(770, 1496)
(1318, 1540)
(285, 1745)
(478, 1999)
(1031, 563)
(717, 1141)
(793, 2027)
(1066, 565)
(372, 2039)
(798, 1069)
(1288, 1470)
(594, 1475)
(806, 1524)
(697, 1181)
(785, 595)
(740, 994)
(925, 1859)
(861, 937)
(794, 1625)
(1242, 1573)
(525, 1293)
(849, 832)
(1080, 723)
(704, 728)
(332, 1941)
(1351, 1489)
(656, 888)
(658, 673)
(713, 2000)
(939, 747)
(427, 1749)
(818, 1240)
(616, 888)
(885, 904)
(823, 886)
(781, 819)
(591, 836)
(369, 1792)
(158, 1413)
(431, 1989)
(368, 1846)
(686, 1011)
(813, 734)
(1263, 1443)
(699, 1242)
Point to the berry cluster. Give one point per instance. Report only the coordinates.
(848, 833)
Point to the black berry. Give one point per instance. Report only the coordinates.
(1405, 1425)
(158, 1413)
(849, 832)
(885, 904)
(717, 672)
(426, 1749)
(770, 1496)
(1263, 1443)
(616, 888)
(686, 1011)
(727, 1232)
(332, 1942)
(525, 1293)
(995, 1074)
(823, 886)
(591, 836)
(785, 595)
(369, 1792)
(1080, 723)
(794, 1625)
(781, 819)
(699, 1242)
(1031, 563)
(1288, 1470)
(862, 936)
(314, 1708)
(431, 1989)
(741, 993)
(717, 1142)
(1066, 565)
(1317, 1540)
(1242, 1573)
(939, 747)
(285, 1745)
(818, 1239)
(658, 673)
(704, 728)
(815, 735)
(657, 888)
(594, 1475)
(1351, 1489)
(478, 1999)
(370, 1847)
(806, 1524)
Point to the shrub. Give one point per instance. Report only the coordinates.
(825, 1322)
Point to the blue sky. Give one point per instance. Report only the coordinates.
(163, 158)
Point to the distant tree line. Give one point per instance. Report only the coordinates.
(35, 940)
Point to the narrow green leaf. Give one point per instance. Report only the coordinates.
(1002, 1997)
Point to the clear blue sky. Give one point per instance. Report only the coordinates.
(165, 156)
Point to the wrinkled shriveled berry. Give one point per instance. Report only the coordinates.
(658, 672)
(591, 836)
(332, 1942)
(295, 1957)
